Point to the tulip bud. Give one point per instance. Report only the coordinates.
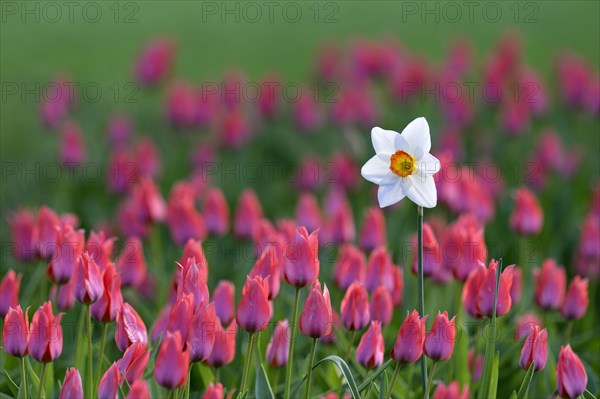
(71, 387)
(130, 328)
(183, 219)
(193, 249)
(452, 391)
(45, 334)
(64, 260)
(576, 301)
(22, 227)
(355, 307)
(131, 263)
(535, 349)
(381, 306)
(66, 294)
(466, 236)
(214, 391)
(268, 265)
(341, 224)
(201, 335)
(475, 364)
(439, 342)
(133, 363)
(108, 388)
(301, 266)
(254, 311)
(350, 266)
(223, 297)
(172, 362)
(88, 284)
(516, 289)
(398, 286)
(372, 234)
(550, 282)
(379, 270)
(369, 352)
(216, 212)
(308, 212)
(224, 348)
(106, 308)
(190, 281)
(331, 338)
(278, 348)
(155, 61)
(247, 214)
(139, 390)
(47, 232)
(15, 333)
(485, 292)
(525, 325)
(181, 315)
(100, 248)
(411, 336)
(316, 316)
(571, 378)
(527, 217)
(9, 292)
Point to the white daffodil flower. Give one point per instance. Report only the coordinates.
(403, 166)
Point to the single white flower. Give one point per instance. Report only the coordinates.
(403, 166)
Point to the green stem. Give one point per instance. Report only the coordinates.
(217, 374)
(101, 353)
(310, 367)
(276, 378)
(23, 378)
(41, 393)
(569, 331)
(188, 383)
(90, 372)
(288, 378)
(430, 380)
(394, 376)
(350, 345)
(247, 363)
(420, 288)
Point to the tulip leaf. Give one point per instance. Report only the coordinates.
(5, 396)
(343, 366)
(461, 349)
(262, 387)
(513, 395)
(374, 375)
(588, 395)
(383, 386)
(526, 382)
(14, 388)
(494, 377)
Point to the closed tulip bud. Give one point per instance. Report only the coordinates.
(247, 214)
(432, 256)
(381, 306)
(379, 270)
(155, 61)
(475, 364)
(308, 212)
(133, 363)
(15, 333)
(516, 289)
(398, 284)
(216, 212)
(100, 248)
(189, 281)
(485, 293)
(224, 297)
(372, 234)
(525, 325)
(411, 336)
(301, 266)
(214, 391)
(571, 378)
(527, 217)
(350, 267)
(224, 348)
(181, 315)
(45, 334)
(88, 284)
(466, 237)
(131, 263)
(439, 342)
(535, 349)
(331, 338)
(9, 292)
(22, 226)
(183, 219)
(470, 290)
(106, 308)
(64, 260)
(576, 301)
(452, 391)
(108, 388)
(254, 311)
(139, 390)
(46, 232)
(278, 348)
(71, 387)
(193, 249)
(316, 317)
(268, 265)
(201, 335)
(341, 224)
(355, 307)
(550, 284)
(130, 328)
(369, 352)
(172, 362)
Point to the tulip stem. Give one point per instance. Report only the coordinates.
(350, 344)
(420, 289)
(310, 367)
(217, 374)
(101, 353)
(23, 378)
(41, 392)
(394, 376)
(569, 332)
(187, 383)
(430, 380)
(90, 353)
(288, 379)
(247, 363)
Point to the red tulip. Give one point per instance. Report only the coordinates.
(439, 342)
(527, 217)
(525, 325)
(9, 292)
(369, 352)
(268, 265)
(181, 315)
(588, 249)
(571, 378)
(308, 212)
(66, 294)
(193, 249)
(108, 388)
(411, 336)
(381, 306)
(100, 248)
(254, 311)
(22, 226)
(379, 271)
(67, 254)
(216, 212)
(155, 61)
(516, 289)
(133, 363)
(139, 390)
(201, 335)
(432, 255)
(535, 349)
(190, 280)
(223, 297)
(247, 214)
(398, 290)
(46, 232)
(224, 348)
(485, 292)
(464, 246)
(214, 391)
(316, 317)
(130, 328)
(106, 308)
(183, 219)
(71, 387)
(15, 333)
(301, 266)
(172, 362)
(576, 301)
(452, 391)
(88, 283)
(355, 307)
(131, 263)
(372, 234)
(45, 334)
(350, 266)
(277, 350)
(550, 282)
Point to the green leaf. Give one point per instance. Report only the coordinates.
(14, 388)
(205, 373)
(588, 395)
(513, 395)
(526, 382)
(262, 388)
(494, 377)
(374, 375)
(461, 349)
(343, 366)
(383, 386)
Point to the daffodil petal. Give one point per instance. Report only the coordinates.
(428, 164)
(423, 192)
(384, 140)
(389, 195)
(375, 169)
(417, 135)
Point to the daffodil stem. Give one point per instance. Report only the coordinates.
(420, 290)
(90, 353)
(41, 393)
(310, 367)
(248, 362)
(288, 378)
(430, 380)
(23, 378)
(394, 376)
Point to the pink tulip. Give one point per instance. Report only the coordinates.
(379, 270)
(193, 249)
(355, 307)
(550, 284)
(172, 362)
(535, 349)
(100, 248)
(22, 226)
(201, 335)
(190, 281)
(268, 265)
(411, 336)
(254, 311)
(247, 214)
(131, 263)
(576, 301)
(381, 306)
(130, 328)
(588, 249)
(9, 292)
(183, 219)
(66, 294)
(452, 391)
(516, 289)
(439, 342)
(301, 266)
(485, 291)
(181, 316)
(66, 256)
(180, 106)
(525, 325)
(72, 146)
(475, 364)
(108, 388)
(369, 352)
(341, 223)
(133, 363)
(278, 348)
(527, 217)
(155, 61)
(372, 234)
(349, 267)
(224, 348)
(106, 308)
(308, 212)
(88, 284)
(15, 333)
(316, 317)
(216, 212)
(432, 254)
(45, 334)
(464, 246)
(224, 297)
(46, 232)
(139, 390)
(72, 387)
(214, 391)
(571, 378)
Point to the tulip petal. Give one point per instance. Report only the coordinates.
(417, 135)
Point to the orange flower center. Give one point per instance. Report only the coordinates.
(403, 164)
